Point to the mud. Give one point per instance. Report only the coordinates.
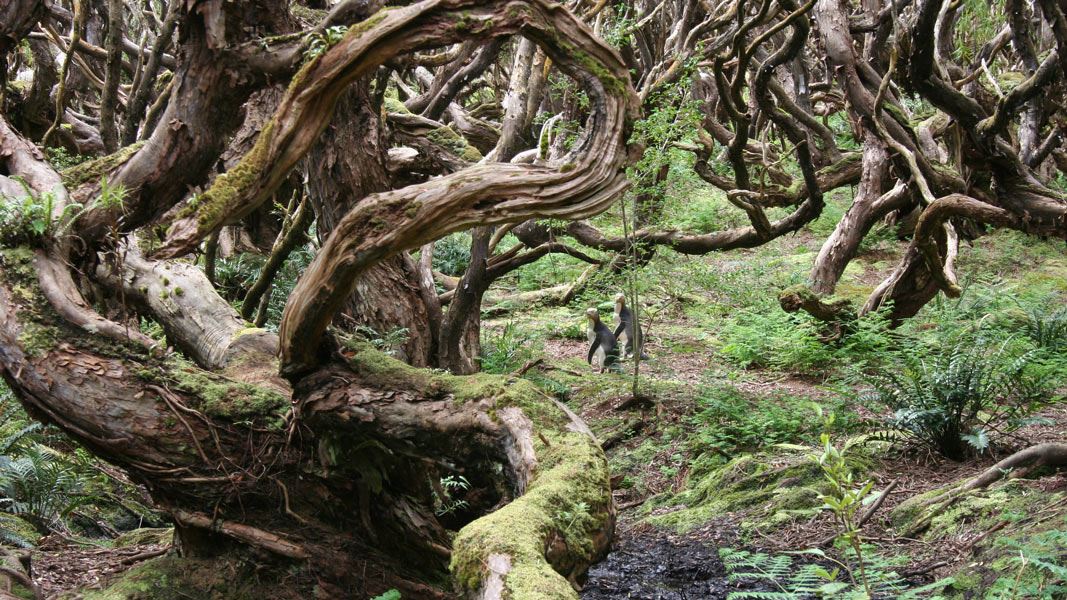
(653, 565)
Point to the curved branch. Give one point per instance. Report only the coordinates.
(383, 224)
(936, 216)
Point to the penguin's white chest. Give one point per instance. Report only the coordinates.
(599, 356)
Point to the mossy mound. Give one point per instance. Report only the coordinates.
(174, 578)
(447, 138)
(145, 535)
(1019, 531)
(16, 531)
(569, 487)
(220, 396)
(94, 170)
(389, 373)
(770, 488)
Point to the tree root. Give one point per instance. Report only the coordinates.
(1047, 454)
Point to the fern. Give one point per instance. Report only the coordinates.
(813, 580)
(953, 400)
(39, 486)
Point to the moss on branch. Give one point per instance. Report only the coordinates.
(563, 509)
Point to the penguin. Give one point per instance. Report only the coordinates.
(624, 329)
(602, 345)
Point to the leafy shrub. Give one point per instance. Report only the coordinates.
(947, 401)
(62, 159)
(452, 254)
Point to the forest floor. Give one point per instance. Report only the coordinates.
(62, 564)
(714, 464)
(720, 456)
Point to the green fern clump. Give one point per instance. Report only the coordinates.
(729, 421)
(1048, 330)
(39, 486)
(1036, 566)
(506, 351)
(784, 579)
(776, 340)
(452, 254)
(953, 402)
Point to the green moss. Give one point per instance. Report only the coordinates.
(570, 488)
(447, 138)
(14, 529)
(770, 489)
(249, 330)
(37, 339)
(390, 373)
(174, 578)
(468, 24)
(310, 16)
(230, 188)
(413, 209)
(220, 396)
(394, 105)
(20, 272)
(569, 485)
(94, 169)
(145, 535)
(567, 167)
(973, 513)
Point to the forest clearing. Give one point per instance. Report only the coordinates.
(518, 299)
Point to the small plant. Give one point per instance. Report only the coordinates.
(444, 496)
(505, 352)
(321, 42)
(111, 195)
(956, 401)
(845, 499)
(575, 522)
(389, 342)
(392, 594)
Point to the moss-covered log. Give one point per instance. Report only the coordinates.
(340, 476)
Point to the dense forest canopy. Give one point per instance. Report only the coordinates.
(305, 409)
